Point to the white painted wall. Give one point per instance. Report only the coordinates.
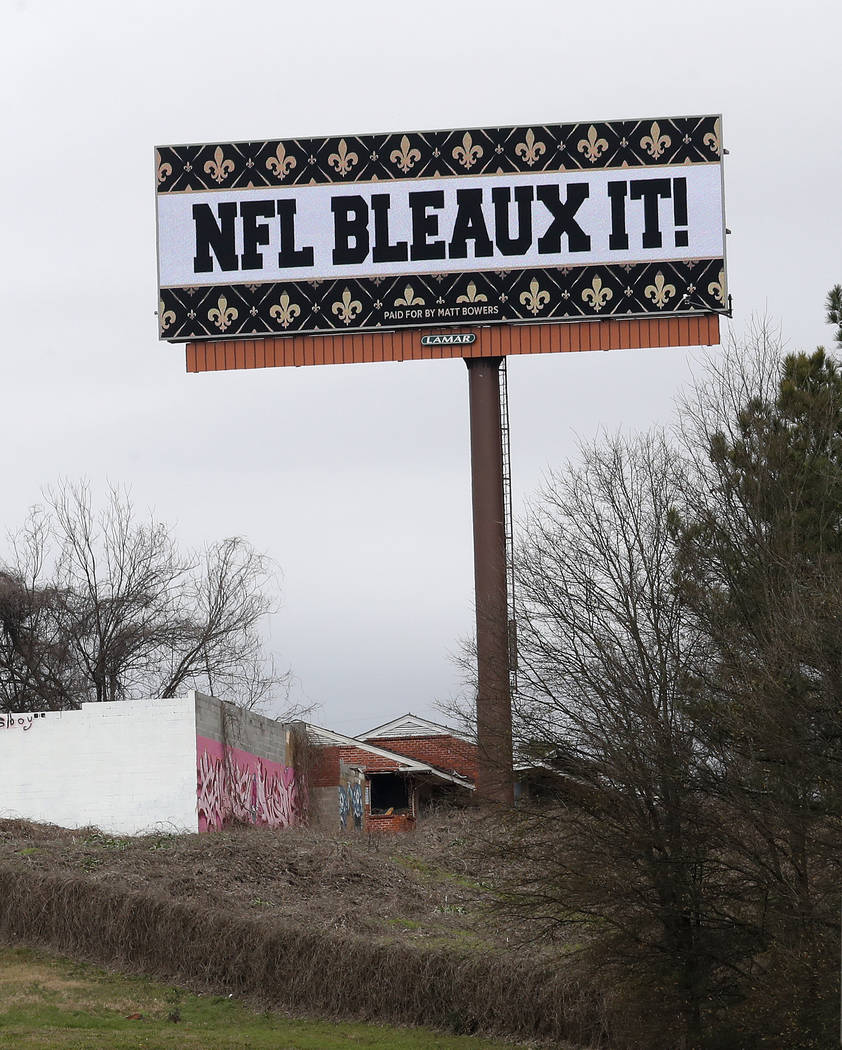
(126, 767)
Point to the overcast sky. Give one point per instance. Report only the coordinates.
(355, 479)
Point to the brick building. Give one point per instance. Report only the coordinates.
(385, 779)
(441, 746)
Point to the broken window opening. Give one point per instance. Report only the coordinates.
(389, 792)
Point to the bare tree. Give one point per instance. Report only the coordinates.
(37, 668)
(102, 605)
(607, 656)
(681, 671)
(121, 583)
(228, 600)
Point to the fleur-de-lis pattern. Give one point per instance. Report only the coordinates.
(718, 288)
(655, 142)
(347, 308)
(660, 292)
(280, 164)
(592, 145)
(567, 147)
(530, 149)
(486, 297)
(713, 139)
(284, 311)
(165, 317)
(222, 314)
(535, 298)
(409, 298)
(406, 157)
(472, 295)
(219, 167)
(344, 159)
(597, 295)
(467, 152)
(163, 168)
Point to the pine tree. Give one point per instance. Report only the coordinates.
(761, 568)
(833, 304)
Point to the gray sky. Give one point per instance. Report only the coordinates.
(355, 479)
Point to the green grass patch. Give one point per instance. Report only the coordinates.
(435, 875)
(419, 866)
(49, 1003)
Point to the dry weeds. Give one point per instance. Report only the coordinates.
(393, 929)
(421, 887)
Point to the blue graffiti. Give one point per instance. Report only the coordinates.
(356, 793)
(344, 806)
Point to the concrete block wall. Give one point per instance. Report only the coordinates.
(235, 727)
(324, 807)
(126, 767)
(242, 773)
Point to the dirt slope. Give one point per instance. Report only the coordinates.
(429, 887)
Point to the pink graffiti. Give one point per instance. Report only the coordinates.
(240, 787)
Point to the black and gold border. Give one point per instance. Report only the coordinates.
(484, 297)
(430, 154)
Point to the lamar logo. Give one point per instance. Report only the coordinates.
(456, 339)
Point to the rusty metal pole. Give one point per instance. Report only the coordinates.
(494, 709)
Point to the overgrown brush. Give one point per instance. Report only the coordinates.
(294, 968)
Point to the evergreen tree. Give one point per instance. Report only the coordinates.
(834, 310)
(760, 562)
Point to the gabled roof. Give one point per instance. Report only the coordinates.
(412, 725)
(410, 765)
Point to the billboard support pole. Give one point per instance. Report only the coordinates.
(494, 709)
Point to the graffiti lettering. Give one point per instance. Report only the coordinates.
(249, 792)
(351, 801)
(24, 722)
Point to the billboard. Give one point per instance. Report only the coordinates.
(546, 223)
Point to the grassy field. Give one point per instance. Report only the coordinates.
(55, 1004)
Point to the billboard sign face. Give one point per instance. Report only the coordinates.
(425, 229)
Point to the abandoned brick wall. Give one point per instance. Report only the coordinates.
(337, 789)
(356, 756)
(395, 822)
(324, 767)
(335, 796)
(444, 752)
(323, 776)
